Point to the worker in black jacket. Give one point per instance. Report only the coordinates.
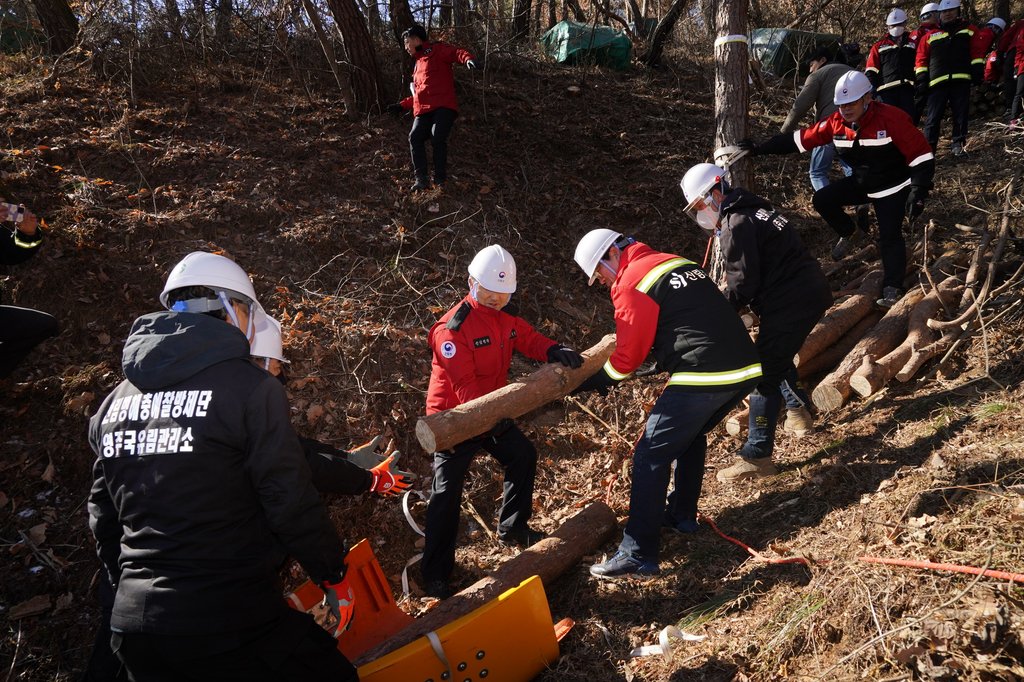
(768, 268)
(890, 66)
(21, 329)
(893, 167)
(199, 482)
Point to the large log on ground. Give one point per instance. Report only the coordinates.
(582, 534)
(441, 430)
(874, 374)
(834, 389)
(841, 318)
(826, 360)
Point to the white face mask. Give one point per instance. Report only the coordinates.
(708, 218)
(897, 31)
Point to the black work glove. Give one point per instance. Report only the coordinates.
(565, 355)
(599, 382)
(394, 109)
(749, 146)
(915, 201)
(977, 73)
(472, 65)
(503, 425)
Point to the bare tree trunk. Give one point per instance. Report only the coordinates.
(446, 12)
(332, 60)
(365, 74)
(401, 17)
(577, 11)
(222, 22)
(552, 14)
(58, 22)
(731, 82)
(636, 16)
(521, 19)
(461, 13)
(663, 31)
(1002, 9)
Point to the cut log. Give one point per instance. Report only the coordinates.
(442, 430)
(582, 534)
(826, 360)
(834, 389)
(841, 318)
(874, 374)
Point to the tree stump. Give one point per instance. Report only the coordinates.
(442, 430)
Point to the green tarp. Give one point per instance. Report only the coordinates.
(570, 43)
(783, 51)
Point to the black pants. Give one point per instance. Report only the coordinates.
(901, 96)
(435, 126)
(294, 649)
(957, 95)
(1009, 78)
(103, 665)
(1017, 106)
(518, 457)
(21, 330)
(889, 210)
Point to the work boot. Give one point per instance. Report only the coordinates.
(520, 537)
(957, 149)
(422, 184)
(799, 421)
(440, 589)
(747, 468)
(622, 565)
(890, 296)
(684, 527)
(845, 245)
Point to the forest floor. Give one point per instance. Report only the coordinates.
(316, 208)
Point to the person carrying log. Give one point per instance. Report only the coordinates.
(668, 305)
(890, 66)
(768, 268)
(432, 102)
(472, 347)
(893, 170)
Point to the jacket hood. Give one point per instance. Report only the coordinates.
(737, 199)
(166, 348)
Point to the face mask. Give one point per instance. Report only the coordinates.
(897, 31)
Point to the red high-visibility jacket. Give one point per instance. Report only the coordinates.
(472, 346)
(949, 54)
(1009, 36)
(1018, 62)
(891, 62)
(433, 86)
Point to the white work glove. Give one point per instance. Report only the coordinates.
(368, 457)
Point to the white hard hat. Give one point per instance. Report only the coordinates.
(591, 249)
(929, 8)
(699, 180)
(495, 269)
(266, 341)
(896, 17)
(202, 269)
(850, 87)
(946, 5)
(998, 23)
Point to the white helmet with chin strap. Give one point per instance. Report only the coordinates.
(494, 269)
(896, 17)
(697, 185)
(222, 276)
(591, 250)
(850, 87)
(266, 341)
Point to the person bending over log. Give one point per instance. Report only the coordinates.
(893, 167)
(768, 268)
(669, 305)
(472, 348)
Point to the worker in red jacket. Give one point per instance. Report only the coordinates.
(948, 60)
(893, 167)
(472, 347)
(890, 66)
(668, 306)
(433, 102)
(987, 36)
(1007, 54)
(1017, 106)
(929, 22)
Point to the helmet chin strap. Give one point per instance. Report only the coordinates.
(474, 289)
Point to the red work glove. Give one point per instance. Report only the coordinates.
(342, 603)
(387, 482)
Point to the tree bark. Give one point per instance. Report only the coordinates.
(401, 18)
(577, 11)
(58, 22)
(834, 389)
(332, 61)
(521, 19)
(222, 21)
(662, 31)
(365, 75)
(582, 534)
(827, 359)
(874, 374)
(732, 83)
(441, 430)
(840, 319)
